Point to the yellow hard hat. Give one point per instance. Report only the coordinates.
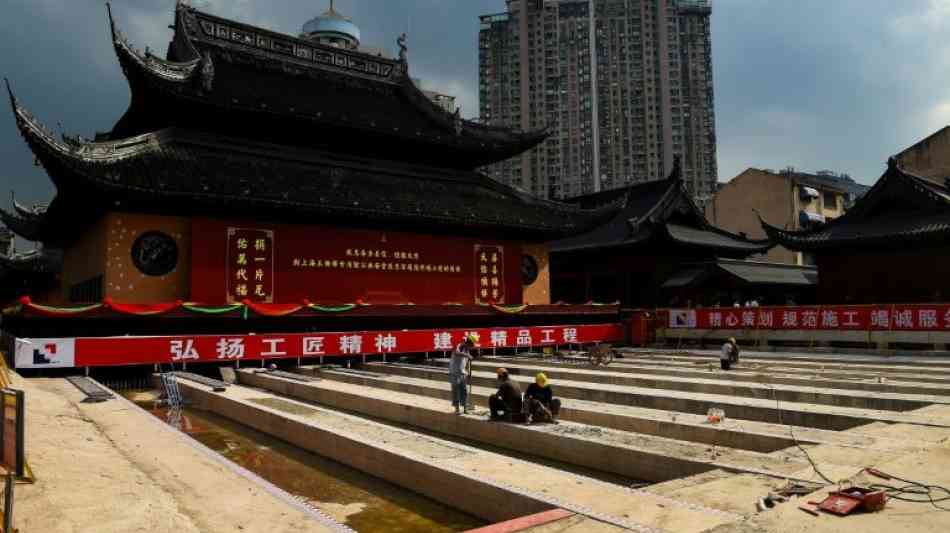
(473, 338)
(541, 379)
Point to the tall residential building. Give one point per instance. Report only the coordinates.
(638, 70)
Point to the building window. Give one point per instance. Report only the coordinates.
(831, 200)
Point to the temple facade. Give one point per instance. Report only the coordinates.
(892, 246)
(657, 231)
(253, 166)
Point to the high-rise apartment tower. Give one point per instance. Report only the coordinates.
(625, 85)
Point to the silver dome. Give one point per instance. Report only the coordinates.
(331, 24)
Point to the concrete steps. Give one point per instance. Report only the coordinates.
(756, 409)
(486, 484)
(732, 433)
(749, 372)
(712, 384)
(633, 455)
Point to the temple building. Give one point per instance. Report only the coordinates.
(658, 232)
(262, 168)
(892, 246)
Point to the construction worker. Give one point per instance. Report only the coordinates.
(506, 403)
(459, 370)
(729, 354)
(540, 402)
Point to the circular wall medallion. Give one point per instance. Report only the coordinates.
(155, 253)
(529, 270)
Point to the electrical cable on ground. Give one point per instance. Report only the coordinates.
(906, 493)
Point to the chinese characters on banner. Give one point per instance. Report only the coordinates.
(377, 260)
(250, 262)
(920, 317)
(118, 351)
(489, 274)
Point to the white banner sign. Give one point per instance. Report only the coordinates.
(45, 353)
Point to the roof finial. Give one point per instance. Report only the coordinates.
(111, 22)
(403, 48)
(10, 92)
(891, 163)
(677, 172)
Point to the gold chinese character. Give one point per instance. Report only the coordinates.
(484, 269)
(494, 258)
(241, 290)
(494, 269)
(242, 258)
(259, 291)
(242, 244)
(484, 257)
(384, 254)
(484, 282)
(241, 274)
(296, 262)
(494, 282)
(259, 274)
(484, 293)
(313, 263)
(494, 293)
(415, 256)
(260, 245)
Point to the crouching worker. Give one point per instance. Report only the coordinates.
(505, 404)
(540, 402)
(729, 355)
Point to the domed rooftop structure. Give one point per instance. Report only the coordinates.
(332, 28)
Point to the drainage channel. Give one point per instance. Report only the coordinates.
(360, 501)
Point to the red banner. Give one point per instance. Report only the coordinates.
(917, 317)
(122, 351)
(232, 261)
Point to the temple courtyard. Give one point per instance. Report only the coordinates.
(634, 448)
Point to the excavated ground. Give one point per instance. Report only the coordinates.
(642, 418)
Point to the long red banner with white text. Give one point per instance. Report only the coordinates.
(920, 317)
(119, 351)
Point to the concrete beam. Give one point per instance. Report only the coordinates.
(485, 484)
(763, 410)
(739, 434)
(758, 385)
(749, 372)
(642, 457)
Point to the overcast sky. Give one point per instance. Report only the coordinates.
(815, 84)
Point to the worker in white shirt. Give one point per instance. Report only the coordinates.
(729, 354)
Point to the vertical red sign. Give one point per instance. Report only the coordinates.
(489, 274)
(250, 260)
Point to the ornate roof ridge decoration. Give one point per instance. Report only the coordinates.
(932, 200)
(29, 229)
(37, 210)
(161, 68)
(37, 260)
(215, 30)
(34, 131)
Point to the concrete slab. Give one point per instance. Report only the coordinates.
(762, 410)
(111, 467)
(482, 483)
(715, 383)
(732, 433)
(636, 456)
(755, 372)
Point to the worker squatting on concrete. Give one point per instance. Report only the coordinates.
(506, 403)
(729, 355)
(459, 370)
(540, 403)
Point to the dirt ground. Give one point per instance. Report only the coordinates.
(108, 468)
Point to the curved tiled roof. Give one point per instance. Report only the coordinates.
(182, 171)
(657, 210)
(900, 208)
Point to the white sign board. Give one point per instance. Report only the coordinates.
(45, 353)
